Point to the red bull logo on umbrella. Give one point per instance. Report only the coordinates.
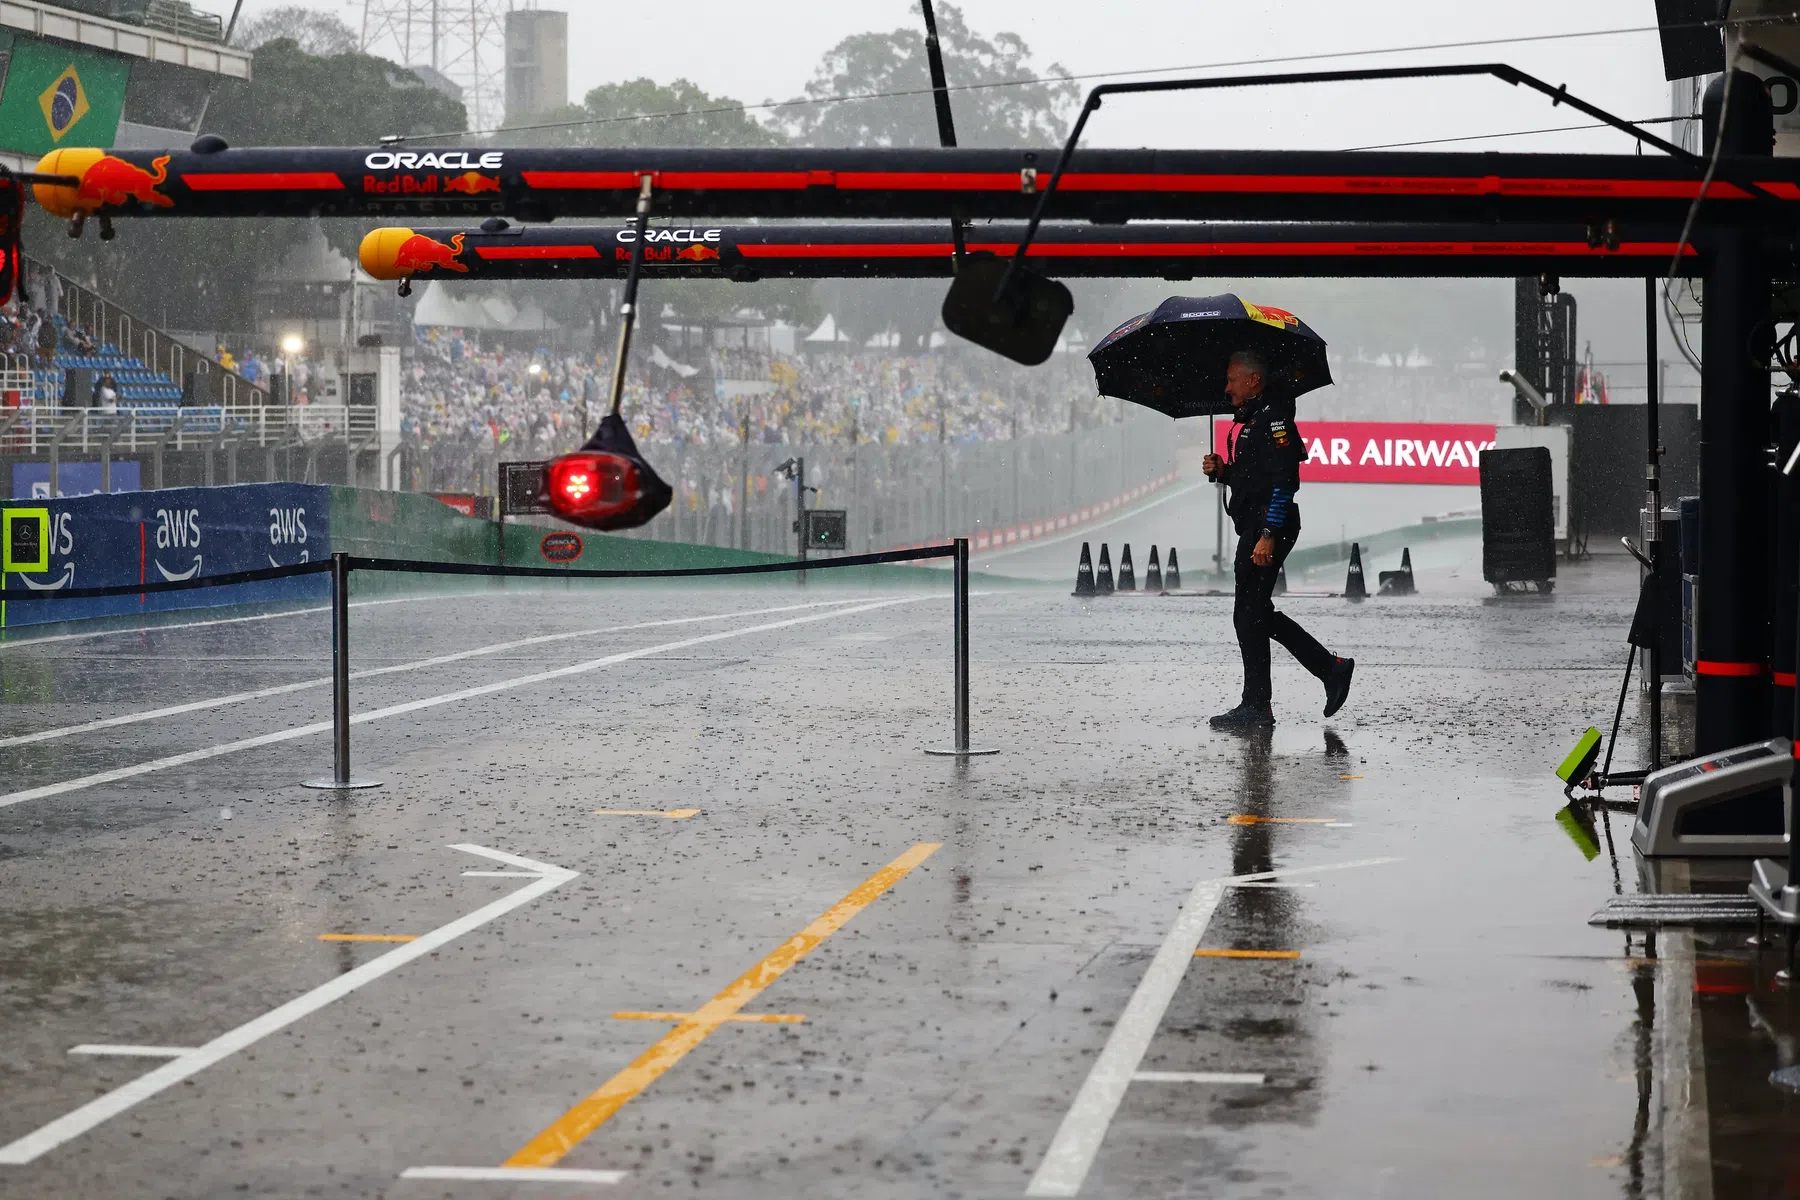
(1280, 318)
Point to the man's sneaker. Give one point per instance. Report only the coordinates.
(1337, 684)
(1245, 716)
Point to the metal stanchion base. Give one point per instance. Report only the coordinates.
(959, 753)
(332, 785)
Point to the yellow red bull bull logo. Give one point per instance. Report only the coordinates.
(698, 253)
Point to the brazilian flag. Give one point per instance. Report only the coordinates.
(59, 96)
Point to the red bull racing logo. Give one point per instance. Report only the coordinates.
(469, 183)
(113, 182)
(421, 253)
(1280, 318)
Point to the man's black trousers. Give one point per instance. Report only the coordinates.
(1257, 621)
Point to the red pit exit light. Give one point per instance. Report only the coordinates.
(601, 490)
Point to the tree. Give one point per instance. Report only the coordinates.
(642, 112)
(316, 32)
(878, 64)
(200, 274)
(297, 98)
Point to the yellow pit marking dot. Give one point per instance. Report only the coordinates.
(755, 1018)
(673, 814)
(367, 937)
(593, 1111)
(1246, 954)
(1245, 820)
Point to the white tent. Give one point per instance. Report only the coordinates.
(826, 334)
(462, 308)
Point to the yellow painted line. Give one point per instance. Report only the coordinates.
(568, 1130)
(1349, 776)
(1243, 820)
(674, 814)
(1246, 954)
(757, 1018)
(367, 937)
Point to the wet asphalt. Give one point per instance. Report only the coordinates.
(1448, 1023)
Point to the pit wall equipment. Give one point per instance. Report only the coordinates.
(681, 248)
(808, 183)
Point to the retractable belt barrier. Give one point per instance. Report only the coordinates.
(341, 565)
(424, 567)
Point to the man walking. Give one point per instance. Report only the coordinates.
(1263, 474)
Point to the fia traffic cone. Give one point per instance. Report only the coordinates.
(1172, 576)
(1127, 577)
(1084, 573)
(1153, 574)
(1280, 581)
(1354, 587)
(1103, 580)
(1398, 583)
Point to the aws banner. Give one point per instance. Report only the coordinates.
(174, 533)
(1388, 451)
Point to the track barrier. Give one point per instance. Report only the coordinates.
(1153, 574)
(1172, 576)
(340, 566)
(1398, 583)
(1354, 587)
(1127, 576)
(1103, 579)
(1084, 573)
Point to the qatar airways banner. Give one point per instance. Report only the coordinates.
(1387, 451)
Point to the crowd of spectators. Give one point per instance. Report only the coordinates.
(464, 398)
(40, 335)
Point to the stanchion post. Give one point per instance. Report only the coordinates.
(959, 588)
(960, 570)
(340, 684)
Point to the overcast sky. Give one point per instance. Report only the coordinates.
(754, 51)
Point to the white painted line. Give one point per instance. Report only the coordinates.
(516, 1174)
(500, 875)
(287, 735)
(1197, 1077)
(1686, 1121)
(1270, 883)
(176, 710)
(192, 1062)
(132, 1051)
(1077, 1141)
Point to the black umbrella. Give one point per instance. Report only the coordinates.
(1173, 359)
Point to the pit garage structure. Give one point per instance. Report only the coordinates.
(1311, 213)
